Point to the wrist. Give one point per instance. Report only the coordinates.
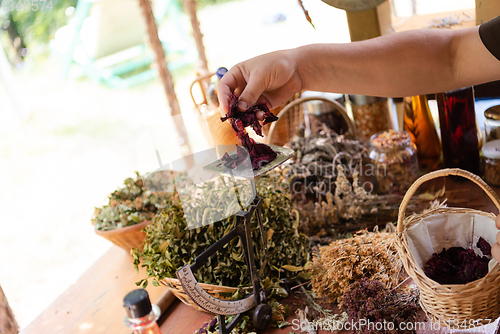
(302, 67)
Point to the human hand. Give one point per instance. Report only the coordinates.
(495, 249)
(272, 78)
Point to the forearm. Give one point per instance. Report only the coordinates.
(401, 64)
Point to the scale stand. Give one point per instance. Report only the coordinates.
(262, 313)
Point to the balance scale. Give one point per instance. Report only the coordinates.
(262, 313)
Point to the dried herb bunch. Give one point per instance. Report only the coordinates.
(169, 244)
(382, 309)
(129, 205)
(330, 188)
(371, 255)
(313, 169)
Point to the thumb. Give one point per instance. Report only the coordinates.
(251, 94)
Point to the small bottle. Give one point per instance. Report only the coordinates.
(213, 100)
(492, 123)
(141, 315)
(420, 126)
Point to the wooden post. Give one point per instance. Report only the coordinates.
(486, 10)
(8, 324)
(166, 78)
(190, 6)
(370, 23)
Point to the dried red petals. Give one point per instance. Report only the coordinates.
(260, 154)
(457, 265)
(233, 161)
(484, 246)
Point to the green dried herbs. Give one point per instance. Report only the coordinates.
(129, 205)
(169, 244)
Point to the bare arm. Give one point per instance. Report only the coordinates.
(400, 64)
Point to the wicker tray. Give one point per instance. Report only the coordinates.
(126, 237)
(220, 292)
(446, 304)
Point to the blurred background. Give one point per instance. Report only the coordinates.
(80, 96)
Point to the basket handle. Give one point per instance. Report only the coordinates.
(338, 107)
(199, 80)
(441, 173)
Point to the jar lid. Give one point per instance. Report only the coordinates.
(493, 112)
(137, 304)
(390, 139)
(362, 100)
(491, 149)
(318, 107)
(221, 71)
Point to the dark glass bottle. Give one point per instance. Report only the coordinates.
(141, 315)
(459, 134)
(419, 124)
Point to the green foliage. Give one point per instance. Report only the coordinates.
(39, 27)
(130, 205)
(169, 244)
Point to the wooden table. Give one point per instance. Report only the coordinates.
(94, 303)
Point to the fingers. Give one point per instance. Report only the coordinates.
(227, 85)
(252, 92)
(495, 251)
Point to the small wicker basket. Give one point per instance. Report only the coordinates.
(476, 301)
(125, 237)
(220, 292)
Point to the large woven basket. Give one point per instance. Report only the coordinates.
(474, 302)
(126, 237)
(220, 292)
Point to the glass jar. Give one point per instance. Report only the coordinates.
(371, 115)
(492, 123)
(394, 163)
(320, 112)
(491, 162)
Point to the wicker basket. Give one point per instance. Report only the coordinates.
(286, 126)
(283, 130)
(125, 237)
(447, 304)
(220, 292)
